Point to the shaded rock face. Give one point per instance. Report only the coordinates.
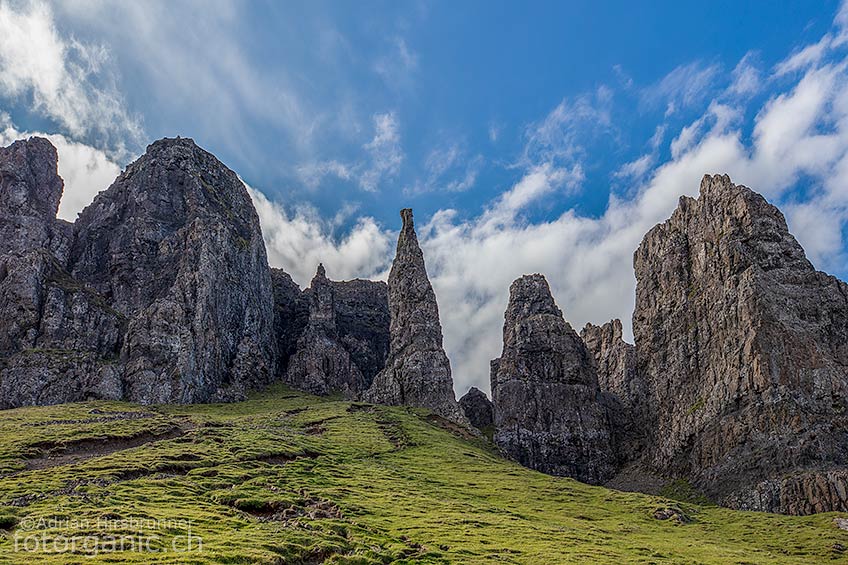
(744, 348)
(59, 339)
(548, 412)
(623, 390)
(333, 336)
(477, 408)
(291, 315)
(363, 321)
(174, 246)
(417, 371)
(321, 363)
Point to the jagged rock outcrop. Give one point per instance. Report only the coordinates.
(478, 408)
(341, 349)
(744, 348)
(548, 411)
(623, 390)
(174, 246)
(161, 291)
(321, 363)
(417, 371)
(291, 314)
(59, 338)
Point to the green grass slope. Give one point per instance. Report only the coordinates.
(290, 478)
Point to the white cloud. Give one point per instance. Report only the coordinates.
(718, 118)
(312, 174)
(813, 223)
(383, 158)
(684, 87)
(85, 169)
(447, 169)
(58, 78)
(297, 242)
(637, 168)
(561, 136)
(806, 57)
(538, 182)
(385, 151)
(747, 78)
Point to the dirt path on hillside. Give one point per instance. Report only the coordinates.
(75, 452)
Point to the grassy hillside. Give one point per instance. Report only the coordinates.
(290, 478)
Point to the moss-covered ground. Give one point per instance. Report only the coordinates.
(290, 478)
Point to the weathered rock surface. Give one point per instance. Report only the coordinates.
(623, 390)
(342, 344)
(548, 410)
(30, 190)
(417, 371)
(363, 321)
(161, 291)
(291, 314)
(59, 338)
(321, 363)
(477, 408)
(744, 348)
(174, 245)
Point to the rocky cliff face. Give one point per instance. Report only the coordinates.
(30, 190)
(417, 371)
(744, 347)
(291, 314)
(59, 338)
(477, 408)
(161, 291)
(333, 336)
(623, 390)
(321, 363)
(548, 411)
(174, 246)
(363, 321)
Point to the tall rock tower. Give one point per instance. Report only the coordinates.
(417, 372)
(548, 411)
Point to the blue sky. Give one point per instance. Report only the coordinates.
(542, 136)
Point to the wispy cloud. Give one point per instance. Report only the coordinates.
(447, 169)
(684, 87)
(385, 150)
(396, 66)
(382, 157)
(63, 79)
(560, 137)
(747, 76)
